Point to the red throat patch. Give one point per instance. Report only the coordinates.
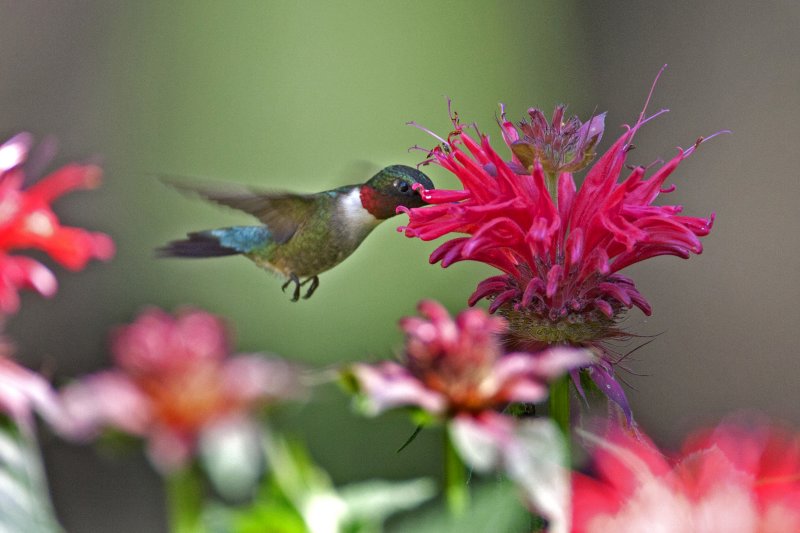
(371, 201)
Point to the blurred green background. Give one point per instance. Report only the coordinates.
(298, 95)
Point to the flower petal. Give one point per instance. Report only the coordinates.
(389, 385)
(604, 379)
(529, 451)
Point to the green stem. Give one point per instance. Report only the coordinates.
(455, 479)
(551, 181)
(559, 405)
(184, 501)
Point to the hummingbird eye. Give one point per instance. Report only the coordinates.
(402, 186)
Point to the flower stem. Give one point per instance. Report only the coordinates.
(455, 479)
(184, 501)
(552, 187)
(559, 405)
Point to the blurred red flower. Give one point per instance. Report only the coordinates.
(28, 221)
(175, 381)
(741, 477)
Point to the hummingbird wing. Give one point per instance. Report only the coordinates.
(281, 212)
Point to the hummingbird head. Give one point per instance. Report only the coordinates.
(392, 187)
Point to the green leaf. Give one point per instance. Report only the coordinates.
(273, 517)
(493, 507)
(349, 382)
(376, 500)
(24, 498)
(298, 497)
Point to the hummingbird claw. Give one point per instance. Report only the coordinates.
(314, 284)
(293, 279)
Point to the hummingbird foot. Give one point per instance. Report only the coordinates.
(293, 279)
(314, 284)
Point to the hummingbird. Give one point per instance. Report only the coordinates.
(300, 235)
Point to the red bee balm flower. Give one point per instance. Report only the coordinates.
(561, 247)
(174, 383)
(742, 478)
(27, 221)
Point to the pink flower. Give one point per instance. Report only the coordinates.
(737, 478)
(174, 382)
(453, 367)
(28, 221)
(23, 393)
(559, 146)
(561, 248)
(457, 371)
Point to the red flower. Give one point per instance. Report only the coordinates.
(27, 221)
(174, 383)
(561, 248)
(740, 478)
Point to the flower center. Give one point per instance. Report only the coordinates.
(462, 379)
(187, 401)
(530, 330)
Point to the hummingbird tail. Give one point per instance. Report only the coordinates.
(200, 244)
(218, 242)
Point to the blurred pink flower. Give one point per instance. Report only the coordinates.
(453, 367)
(174, 381)
(28, 221)
(23, 393)
(738, 478)
(561, 248)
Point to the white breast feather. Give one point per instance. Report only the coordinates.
(357, 217)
